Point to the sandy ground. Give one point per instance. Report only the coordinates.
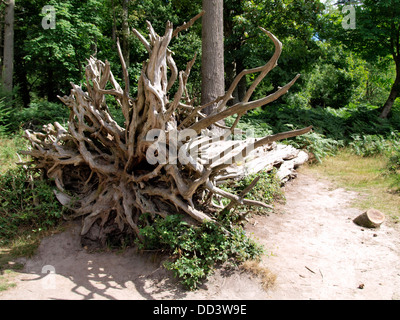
(316, 251)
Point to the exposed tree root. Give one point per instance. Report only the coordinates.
(163, 160)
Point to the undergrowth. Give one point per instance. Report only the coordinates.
(268, 190)
(195, 251)
(393, 167)
(357, 126)
(4, 116)
(27, 204)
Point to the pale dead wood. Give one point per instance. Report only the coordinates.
(163, 160)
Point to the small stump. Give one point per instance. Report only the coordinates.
(371, 218)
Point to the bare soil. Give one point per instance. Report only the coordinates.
(316, 252)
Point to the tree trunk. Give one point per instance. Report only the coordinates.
(114, 25)
(1, 38)
(394, 93)
(241, 88)
(212, 63)
(125, 31)
(8, 64)
(163, 160)
(22, 78)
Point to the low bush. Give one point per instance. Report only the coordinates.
(370, 145)
(195, 251)
(4, 117)
(27, 203)
(268, 190)
(357, 125)
(38, 114)
(393, 167)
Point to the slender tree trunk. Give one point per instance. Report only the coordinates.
(125, 31)
(22, 78)
(212, 70)
(241, 88)
(50, 90)
(394, 93)
(8, 64)
(114, 25)
(1, 38)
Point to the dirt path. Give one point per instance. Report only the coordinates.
(317, 253)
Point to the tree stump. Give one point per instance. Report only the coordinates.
(371, 218)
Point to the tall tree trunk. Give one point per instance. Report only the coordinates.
(241, 88)
(8, 64)
(394, 92)
(24, 90)
(114, 25)
(1, 38)
(212, 62)
(125, 31)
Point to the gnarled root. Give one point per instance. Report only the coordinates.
(163, 160)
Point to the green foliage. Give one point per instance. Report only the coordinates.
(38, 114)
(293, 22)
(333, 128)
(27, 203)
(10, 146)
(394, 161)
(4, 117)
(370, 145)
(337, 78)
(268, 189)
(50, 59)
(197, 250)
(393, 167)
(317, 144)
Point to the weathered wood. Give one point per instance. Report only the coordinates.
(163, 160)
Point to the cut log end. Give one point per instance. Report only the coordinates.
(371, 218)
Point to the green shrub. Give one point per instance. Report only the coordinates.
(370, 145)
(317, 144)
(26, 203)
(38, 114)
(4, 117)
(394, 162)
(197, 250)
(393, 167)
(268, 189)
(10, 146)
(357, 125)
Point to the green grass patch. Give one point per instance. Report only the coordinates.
(10, 146)
(367, 175)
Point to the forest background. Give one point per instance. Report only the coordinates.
(347, 52)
